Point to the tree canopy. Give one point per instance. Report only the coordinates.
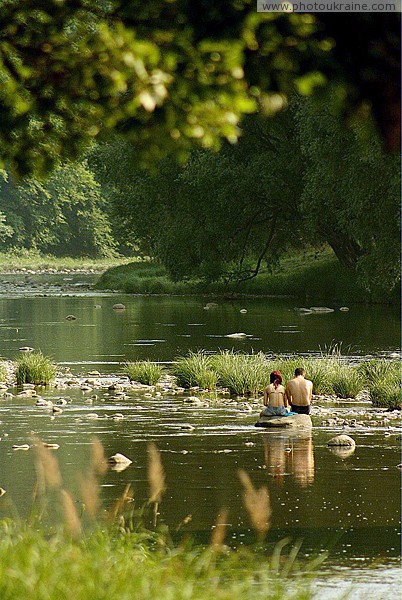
(298, 179)
(171, 74)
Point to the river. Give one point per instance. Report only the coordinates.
(347, 505)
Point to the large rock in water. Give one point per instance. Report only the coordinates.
(292, 422)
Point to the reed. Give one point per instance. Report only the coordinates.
(145, 372)
(257, 503)
(34, 367)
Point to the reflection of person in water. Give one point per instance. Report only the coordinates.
(274, 397)
(292, 455)
(302, 461)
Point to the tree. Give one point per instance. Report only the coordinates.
(298, 179)
(221, 215)
(171, 75)
(351, 193)
(65, 216)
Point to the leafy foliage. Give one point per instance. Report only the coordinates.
(182, 73)
(63, 216)
(299, 179)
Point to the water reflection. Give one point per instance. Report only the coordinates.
(342, 451)
(292, 455)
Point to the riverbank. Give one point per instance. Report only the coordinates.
(35, 263)
(309, 275)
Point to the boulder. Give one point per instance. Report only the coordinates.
(342, 440)
(292, 422)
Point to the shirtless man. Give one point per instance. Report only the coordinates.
(299, 392)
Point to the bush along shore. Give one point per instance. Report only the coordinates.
(321, 275)
(218, 377)
(123, 551)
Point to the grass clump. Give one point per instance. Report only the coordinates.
(241, 373)
(386, 394)
(145, 372)
(34, 367)
(195, 369)
(384, 382)
(346, 381)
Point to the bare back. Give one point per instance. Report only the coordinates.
(299, 391)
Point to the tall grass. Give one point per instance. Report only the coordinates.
(384, 382)
(195, 369)
(145, 372)
(346, 381)
(34, 367)
(241, 373)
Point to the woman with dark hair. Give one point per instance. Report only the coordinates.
(274, 397)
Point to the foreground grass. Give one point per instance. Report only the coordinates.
(93, 554)
(306, 275)
(35, 261)
(120, 565)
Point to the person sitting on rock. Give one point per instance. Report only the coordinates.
(275, 399)
(299, 392)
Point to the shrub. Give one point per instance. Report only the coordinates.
(34, 367)
(145, 372)
(195, 370)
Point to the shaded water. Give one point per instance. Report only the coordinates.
(163, 327)
(349, 505)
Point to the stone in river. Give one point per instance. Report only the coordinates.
(238, 336)
(321, 309)
(342, 440)
(344, 309)
(119, 459)
(71, 318)
(119, 307)
(2, 492)
(292, 422)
